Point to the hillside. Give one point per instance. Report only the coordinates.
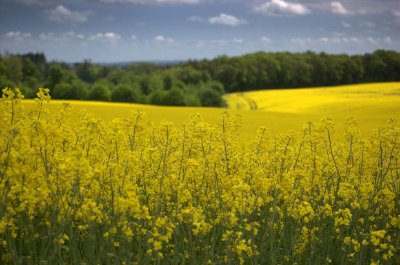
(279, 110)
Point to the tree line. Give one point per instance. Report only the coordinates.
(194, 82)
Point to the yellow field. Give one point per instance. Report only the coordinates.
(78, 190)
(371, 104)
(279, 110)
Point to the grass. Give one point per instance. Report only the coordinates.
(279, 110)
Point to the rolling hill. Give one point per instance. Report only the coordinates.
(279, 110)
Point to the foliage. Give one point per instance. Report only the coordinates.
(133, 192)
(76, 90)
(210, 97)
(195, 78)
(125, 93)
(290, 70)
(99, 92)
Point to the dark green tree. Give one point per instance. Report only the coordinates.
(99, 92)
(126, 93)
(210, 97)
(175, 97)
(30, 73)
(75, 90)
(14, 66)
(157, 97)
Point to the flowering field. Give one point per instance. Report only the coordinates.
(82, 191)
(345, 98)
(279, 110)
(371, 104)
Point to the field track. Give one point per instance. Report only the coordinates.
(252, 105)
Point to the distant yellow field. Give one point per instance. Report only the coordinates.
(279, 110)
(371, 104)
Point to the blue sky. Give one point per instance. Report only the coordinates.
(128, 30)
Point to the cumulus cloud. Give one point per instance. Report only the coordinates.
(46, 36)
(151, 2)
(265, 39)
(228, 20)
(281, 7)
(63, 14)
(237, 41)
(109, 37)
(328, 41)
(62, 37)
(368, 24)
(388, 40)
(346, 25)
(17, 35)
(397, 16)
(219, 43)
(378, 41)
(338, 8)
(343, 40)
(196, 19)
(162, 39)
(221, 19)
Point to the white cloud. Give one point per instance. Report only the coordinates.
(378, 41)
(368, 24)
(397, 16)
(109, 37)
(17, 35)
(344, 40)
(388, 40)
(228, 20)
(338, 8)
(151, 2)
(265, 39)
(346, 25)
(46, 36)
(281, 7)
(196, 19)
(237, 41)
(159, 38)
(73, 35)
(162, 39)
(221, 19)
(200, 44)
(63, 14)
(133, 37)
(69, 36)
(219, 43)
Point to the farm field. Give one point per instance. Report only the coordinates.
(370, 104)
(278, 110)
(199, 132)
(117, 185)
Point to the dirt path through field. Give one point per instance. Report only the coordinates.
(252, 104)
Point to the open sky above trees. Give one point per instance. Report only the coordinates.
(130, 30)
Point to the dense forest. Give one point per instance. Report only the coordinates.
(195, 82)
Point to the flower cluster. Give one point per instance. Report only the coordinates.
(80, 191)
